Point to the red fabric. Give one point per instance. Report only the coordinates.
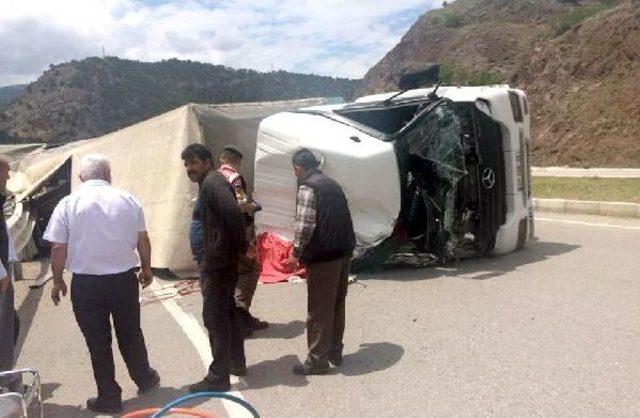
(273, 253)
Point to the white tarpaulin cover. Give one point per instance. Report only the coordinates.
(365, 167)
(145, 161)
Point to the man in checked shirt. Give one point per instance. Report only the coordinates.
(324, 243)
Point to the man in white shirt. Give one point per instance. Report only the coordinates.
(94, 233)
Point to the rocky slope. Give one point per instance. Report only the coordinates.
(585, 90)
(578, 61)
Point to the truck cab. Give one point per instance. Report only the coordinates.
(443, 172)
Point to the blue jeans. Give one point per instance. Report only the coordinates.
(196, 240)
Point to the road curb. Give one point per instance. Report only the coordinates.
(585, 207)
(619, 173)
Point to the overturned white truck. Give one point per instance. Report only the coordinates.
(445, 171)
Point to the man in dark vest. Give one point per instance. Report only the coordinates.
(9, 323)
(324, 242)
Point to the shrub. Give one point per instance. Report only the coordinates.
(455, 74)
(452, 20)
(580, 14)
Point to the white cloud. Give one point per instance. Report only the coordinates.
(331, 37)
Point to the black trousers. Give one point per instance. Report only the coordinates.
(97, 298)
(223, 323)
(7, 335)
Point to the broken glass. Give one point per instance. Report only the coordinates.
(435, 139)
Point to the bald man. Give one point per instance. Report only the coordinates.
(94, 233)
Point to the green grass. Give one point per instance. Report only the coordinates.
(608, 190)
(452, 74)
(452, 20)
(580, 14)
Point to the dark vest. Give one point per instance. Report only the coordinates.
(333, 236)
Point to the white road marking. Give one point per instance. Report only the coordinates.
(600, 225)
(200, 342)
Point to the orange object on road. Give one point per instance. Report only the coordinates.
(145, 413)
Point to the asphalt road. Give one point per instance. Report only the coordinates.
(551, 330)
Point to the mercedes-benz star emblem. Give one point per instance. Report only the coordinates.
(488, 178)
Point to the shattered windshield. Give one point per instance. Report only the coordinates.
(432, 152)
(436, 138)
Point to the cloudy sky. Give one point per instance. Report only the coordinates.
(329, 37)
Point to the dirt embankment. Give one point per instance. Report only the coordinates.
(577, 60)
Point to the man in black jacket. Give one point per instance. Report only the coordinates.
(224, 241)
(324, 242)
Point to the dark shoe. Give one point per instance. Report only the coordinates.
(238, 370)
(153, 383)
(257, 324)
(335, 359)
(251, 322)
(306, 369)
(206, 386)
(105, 407)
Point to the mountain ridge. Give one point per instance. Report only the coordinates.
(88, 98)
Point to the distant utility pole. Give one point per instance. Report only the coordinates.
(104, 55)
